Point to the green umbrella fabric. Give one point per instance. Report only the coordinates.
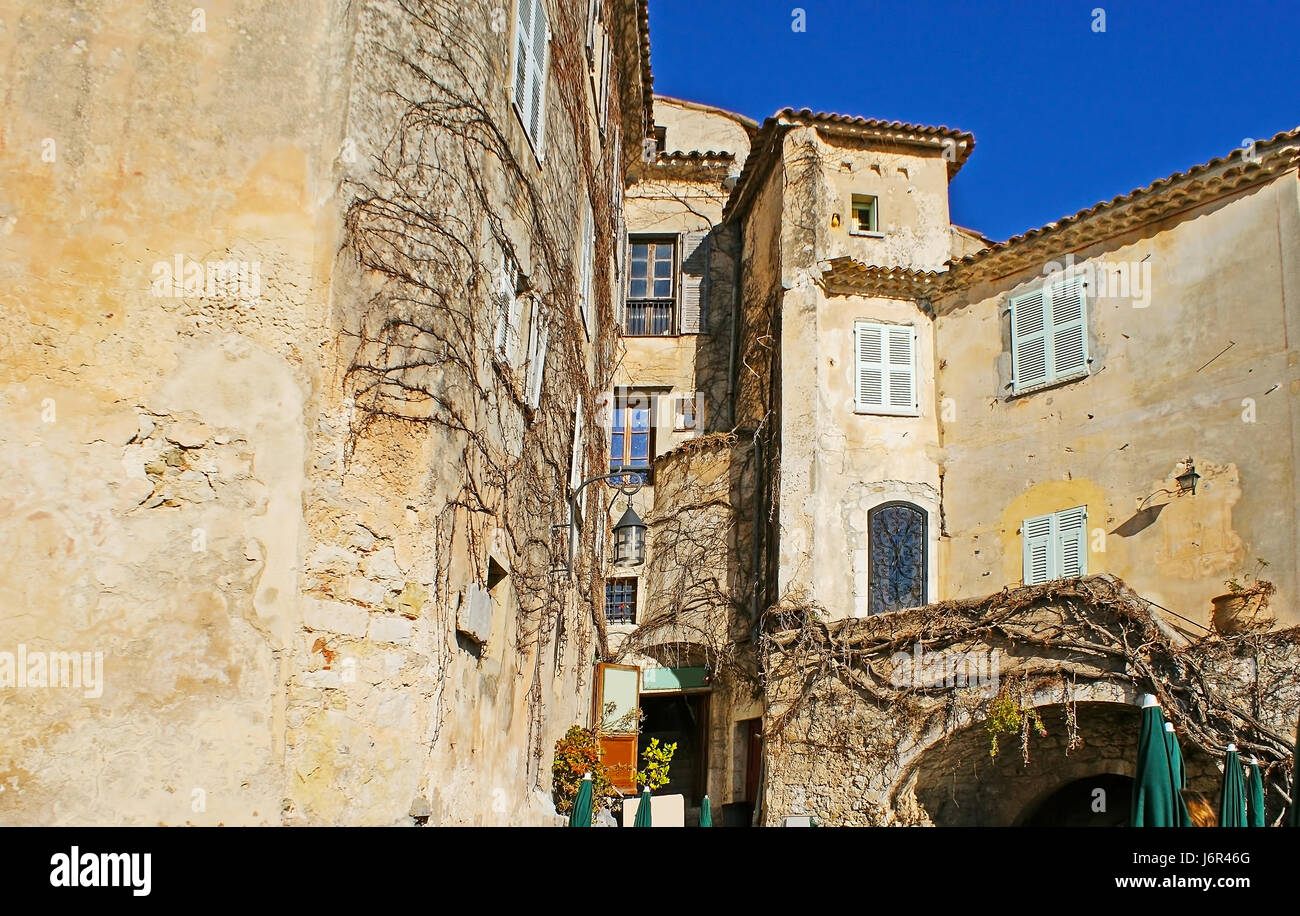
(1177, 777)
(1293, 816)
(1232, 801)
(1254, 795)
(580, 816)
(643, 811)
(1155, 803)
(706, 813)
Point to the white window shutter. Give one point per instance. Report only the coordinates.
(505, 309)
(536, 112)
(869, 365)
(539, 335)
(1029, 337)
(586, 257)
(624, 255)
(1039, 549)
(901, 366)
(523, 47)
(1069, 329)
(694, 277)
(575, 462)
(1072, 542)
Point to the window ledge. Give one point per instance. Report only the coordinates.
(1045, 386)
(876, 412)
(866, 235)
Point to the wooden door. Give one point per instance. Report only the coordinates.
(617, 717)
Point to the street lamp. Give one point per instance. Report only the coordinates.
(629, 532)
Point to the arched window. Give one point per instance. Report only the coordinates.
(897, 555)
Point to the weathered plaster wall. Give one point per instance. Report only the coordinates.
(692, 127)
(1197, 362)
(272, 575)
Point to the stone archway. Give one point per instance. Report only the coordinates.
(957, 783)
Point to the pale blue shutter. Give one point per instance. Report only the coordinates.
(869, 366)
(1072, 543)
(1029, 339)
(695, 270)
(1069, 329)
(1039, 549)
(536, 113)
(901, 362)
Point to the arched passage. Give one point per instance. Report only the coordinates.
(958, 783)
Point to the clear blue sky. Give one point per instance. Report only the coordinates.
(1063, 116)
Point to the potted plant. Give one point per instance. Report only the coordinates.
(1244, 606)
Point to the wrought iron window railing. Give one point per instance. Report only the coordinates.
(649, 318)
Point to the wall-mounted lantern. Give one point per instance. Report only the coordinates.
(629, 538)
(1187, 480)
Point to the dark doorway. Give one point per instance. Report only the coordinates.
(1094, 801)
(682, 718)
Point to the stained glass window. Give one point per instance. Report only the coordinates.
(897, 556)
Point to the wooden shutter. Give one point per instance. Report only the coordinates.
(575, 462)
(537, 111)
(694, 280)
(505, 303)
(1028, 341)
(587, 258)
(1039, 549)
(901, 363)
(523, 47)
(869, 365)
(621, 244)
(1072, 542)
(537, 359)
(1069, 329)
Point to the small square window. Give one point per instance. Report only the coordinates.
(864, 213)
(620, 600)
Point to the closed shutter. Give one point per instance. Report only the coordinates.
(1069, 331)
(695, 273)
(538, 338)
(586, 256)
(621, 246)
(902, 381)
(869, 366)
(575, 462)
(531, 32)
(505, 310)
(1072, 542)
(885, 368)
(1039, 549)
(1028, 340)
(512, 331)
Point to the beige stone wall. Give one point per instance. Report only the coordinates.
(1197, 363)
(693, 127)
(209, 484)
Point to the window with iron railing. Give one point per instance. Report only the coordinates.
(620, 600)
(650, 310)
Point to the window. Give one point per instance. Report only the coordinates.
(651, 292)
(585, 258)
(631, 434)
(897, 554)
(686, 412)
(506, 301)
(532, 32)
(1049, 335)
(1055, 546)
(885, 368)
(864, 213)
(538, 339)
(620, 600)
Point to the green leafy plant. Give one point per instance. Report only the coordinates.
(577, 754)
(1010, 715)
(656, 757)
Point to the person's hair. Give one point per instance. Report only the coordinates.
(1199, 809)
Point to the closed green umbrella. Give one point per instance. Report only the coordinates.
(643, 811)
(1154, 799)
(706, 813)
(1177, 777)
(1254, 795)
(1293, 816)
(1232, 801)
(580, 816)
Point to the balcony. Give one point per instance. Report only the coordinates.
(649, 318)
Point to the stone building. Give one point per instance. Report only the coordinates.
(308, 356)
